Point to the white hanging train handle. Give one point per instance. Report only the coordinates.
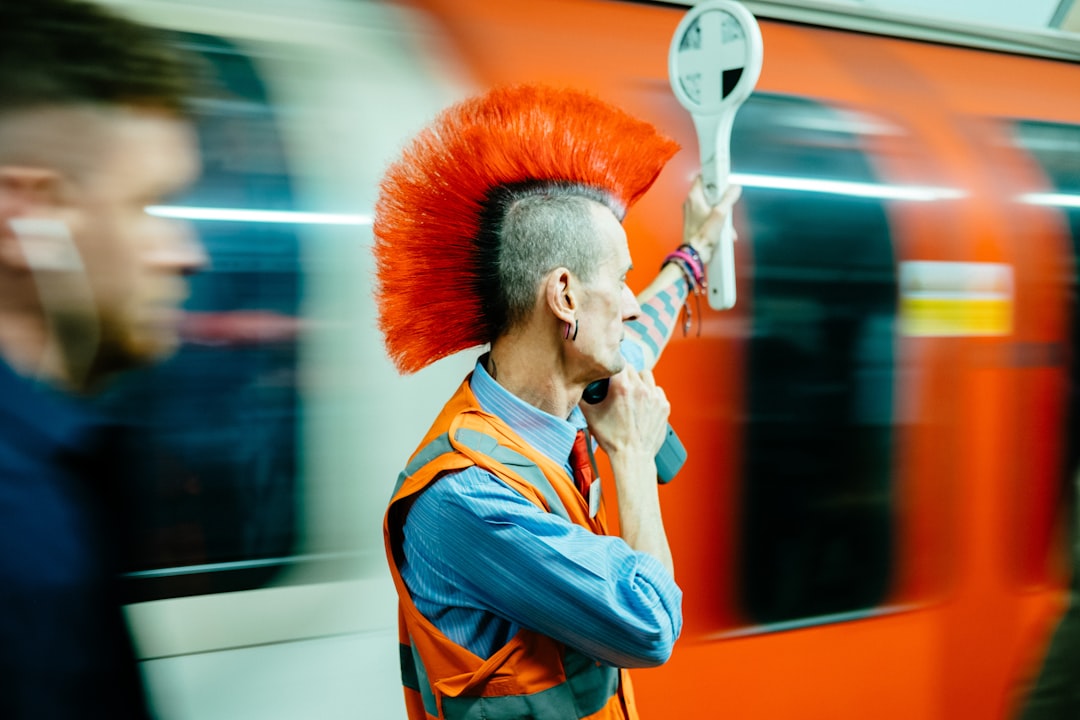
(713, 65)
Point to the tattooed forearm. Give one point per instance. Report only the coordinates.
(659, 316)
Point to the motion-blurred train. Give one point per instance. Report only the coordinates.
(875, 517)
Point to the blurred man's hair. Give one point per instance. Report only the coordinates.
(65, 52)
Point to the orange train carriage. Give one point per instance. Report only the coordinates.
(874, 516)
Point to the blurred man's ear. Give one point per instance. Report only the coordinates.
(27, 193)
(23, 187)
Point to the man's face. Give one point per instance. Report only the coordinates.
(135, 264)
(607, 302)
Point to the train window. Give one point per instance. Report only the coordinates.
(816, 518)
(211, 463)
(1056, 148)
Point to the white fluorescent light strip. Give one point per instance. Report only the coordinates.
(775, 182)
(1054, 199)
(256, 216)
(853, 189)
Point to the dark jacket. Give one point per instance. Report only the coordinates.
(65, 651)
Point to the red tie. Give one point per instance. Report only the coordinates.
(580, 463)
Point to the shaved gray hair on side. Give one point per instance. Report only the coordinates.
(528, 230)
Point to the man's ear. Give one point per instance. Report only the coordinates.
(560, 294)
(26, 194)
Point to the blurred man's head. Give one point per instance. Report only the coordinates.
(93, 129)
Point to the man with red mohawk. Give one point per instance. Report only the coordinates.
(501, 226)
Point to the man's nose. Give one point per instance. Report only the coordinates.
(630, 308)
(182, 252)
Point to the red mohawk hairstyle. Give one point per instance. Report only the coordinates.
(430, 276)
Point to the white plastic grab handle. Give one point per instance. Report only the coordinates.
(714, 62)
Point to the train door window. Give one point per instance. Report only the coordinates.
(816, 520)
(1056, 148)
(210, 467)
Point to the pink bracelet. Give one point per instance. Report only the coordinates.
(692, 262)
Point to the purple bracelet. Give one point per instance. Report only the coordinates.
(694, 263)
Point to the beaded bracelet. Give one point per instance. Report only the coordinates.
(692, 263)
(687, 259)
(693, 253)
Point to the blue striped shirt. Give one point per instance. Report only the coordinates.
(483, 562)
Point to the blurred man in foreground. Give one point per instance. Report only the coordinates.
(92, 130)
(502, 225)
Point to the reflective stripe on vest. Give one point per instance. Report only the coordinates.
(524, 467)
(587, 689)
(414, 677)
(439, 446)
(489, 446)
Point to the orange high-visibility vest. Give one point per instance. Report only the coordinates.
(532, 676)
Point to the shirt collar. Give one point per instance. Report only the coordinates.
(551, 435)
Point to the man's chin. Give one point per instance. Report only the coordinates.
(606, 370)
(156, 350)
(617, 365)
(146, 349)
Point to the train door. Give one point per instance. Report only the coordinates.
(259, 586)
(795, 531)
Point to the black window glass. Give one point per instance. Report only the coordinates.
(816, 518)
(210, 445)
